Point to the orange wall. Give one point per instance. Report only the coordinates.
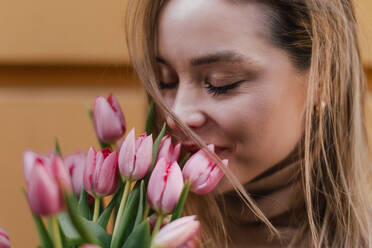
(87, 31)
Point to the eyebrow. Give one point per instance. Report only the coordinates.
(223, 56)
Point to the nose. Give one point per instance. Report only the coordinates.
(187, 106)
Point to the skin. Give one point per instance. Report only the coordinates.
(257, 124)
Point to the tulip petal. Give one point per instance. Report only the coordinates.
(60, 173)
(107, 175)
(195, 166)
(143, 159)
(156, 183)
(4, 239)
(90, 165)
(117, 109)
(173, 188)
(205, 174)
(30, 159)
(139, 140)
(127, 155)
(43, 193)
(176, 151)
(165, 143)
(106, 122)
(99, 163)
(177, 232)
(213, 179)
(75, 164)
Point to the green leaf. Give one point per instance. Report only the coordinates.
(83, 205)
(140, 237)
(69, 230)
(58, 148)
(155, 149)
(98, 232)
(78, 221)
(65, 241)
(45, 239)
(141, 203)
(128, 217)
(49, 226)
(90, 113)
(184, 160)
(181, 202)
(105, 216)
(150, 118)
(74, 238)
(156, 146)
(119, 190)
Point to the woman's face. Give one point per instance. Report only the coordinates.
(222, 76)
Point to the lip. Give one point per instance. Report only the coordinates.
(192, 147)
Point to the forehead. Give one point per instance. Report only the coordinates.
(187, 28)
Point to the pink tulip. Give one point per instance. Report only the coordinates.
(4, 239)
(75, 164)
(203, 172)
(135, 156)
(109, 120)
(101, 172)
(165, 186)
(167, 150)
(179, 233)
(46, 180)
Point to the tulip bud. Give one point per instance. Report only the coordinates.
(100, 172)
(135, 156)
(109, 121)
(4, 239)
(204, 173)
(167, 150)
(165, 186)
(179, 233)
(75, 164)
(46, 180)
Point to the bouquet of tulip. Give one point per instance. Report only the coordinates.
(148, 185)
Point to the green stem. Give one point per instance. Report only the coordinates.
(115, 147)
(122, 206)
(97, 202)
(56, 233)
(147, 209)
(158, 223)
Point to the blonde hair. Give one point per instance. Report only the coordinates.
(336, 163)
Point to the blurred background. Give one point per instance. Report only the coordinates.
(55, 58)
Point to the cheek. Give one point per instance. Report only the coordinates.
(264, 123)
(276, 124)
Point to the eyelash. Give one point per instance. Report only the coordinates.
(215, 91)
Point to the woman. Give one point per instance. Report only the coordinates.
(278, 87)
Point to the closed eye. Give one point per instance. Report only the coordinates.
(215, 91)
